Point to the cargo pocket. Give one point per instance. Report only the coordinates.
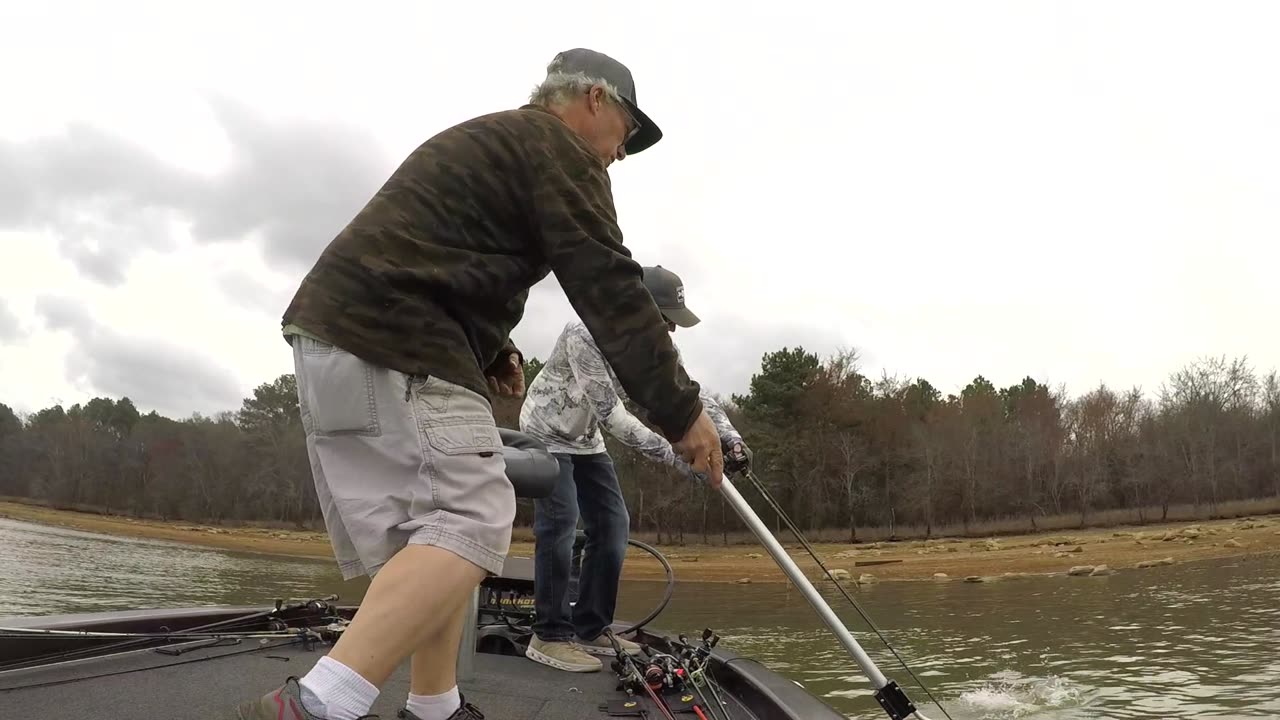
(340, 392)
(468, 437)
(469, 474)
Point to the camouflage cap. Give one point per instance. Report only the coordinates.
(598, 65)
(668, 292)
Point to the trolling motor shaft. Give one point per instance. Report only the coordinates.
(890, 696)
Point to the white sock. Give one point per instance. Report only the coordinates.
(336, 692)
(435, 707)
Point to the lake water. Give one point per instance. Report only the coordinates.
(1191, 641)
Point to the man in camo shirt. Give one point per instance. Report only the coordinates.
(574, 396)
(400, 336)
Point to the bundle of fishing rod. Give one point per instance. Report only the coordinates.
(671, 684)
(306, 623)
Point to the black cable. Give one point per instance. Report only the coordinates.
(666, 597)
(764, 492)
(666, 594)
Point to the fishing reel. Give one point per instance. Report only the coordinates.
(629, 684)
(698, 655)
(663, 674)
(735, 464)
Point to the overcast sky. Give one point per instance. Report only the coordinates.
(1080, 192)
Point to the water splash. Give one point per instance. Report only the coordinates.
(1009, 694)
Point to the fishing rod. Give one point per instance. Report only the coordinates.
(892, 698)
(631, 675)
(41, 633)
(694, 665)
(676, 674)
(140, 641)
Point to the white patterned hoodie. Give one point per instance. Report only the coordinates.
(576, 394)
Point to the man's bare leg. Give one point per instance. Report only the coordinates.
(413, 606)
(433, 687)
(435, 663)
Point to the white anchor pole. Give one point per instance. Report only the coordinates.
(792, 571)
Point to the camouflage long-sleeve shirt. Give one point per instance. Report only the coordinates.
(576, 394)
(432, 275)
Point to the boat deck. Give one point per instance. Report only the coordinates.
(206, 683)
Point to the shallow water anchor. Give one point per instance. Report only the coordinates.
(895, 702)
(890, 696)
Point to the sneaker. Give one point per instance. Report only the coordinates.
(283, 703)
(602, 646)
(561, 655)
(466, 712)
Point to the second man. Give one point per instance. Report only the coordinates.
(573, 397)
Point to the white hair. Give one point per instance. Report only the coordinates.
(560, 87)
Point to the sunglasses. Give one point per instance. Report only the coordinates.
(633, 125)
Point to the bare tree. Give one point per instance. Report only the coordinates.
(837, 451)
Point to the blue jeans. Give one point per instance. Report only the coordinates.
(590, 483)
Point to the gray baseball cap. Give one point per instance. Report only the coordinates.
(598, 65)
(668, 293)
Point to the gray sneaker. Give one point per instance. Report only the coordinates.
(283, 703)
(466, 712)
(602, 646)
(561, 655)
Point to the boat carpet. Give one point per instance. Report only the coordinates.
(206, 683)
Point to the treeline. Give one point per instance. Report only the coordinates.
(841, 452)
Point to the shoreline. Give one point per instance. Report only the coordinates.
(1127, 548)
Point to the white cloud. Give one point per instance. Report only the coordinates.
(1079, 193)
(10, 325)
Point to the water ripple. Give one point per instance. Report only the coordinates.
(1189, 641)
(1192, 641)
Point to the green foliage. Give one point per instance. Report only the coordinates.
(274, 404)
(778, 388)
(532, 367)
(110, 416)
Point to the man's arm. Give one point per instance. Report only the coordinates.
(728, 433)
(592, 376)
(737, 455)
(578, 230)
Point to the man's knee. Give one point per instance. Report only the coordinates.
(554, 526)
(615, 515)
(620, 522)
(610, 530)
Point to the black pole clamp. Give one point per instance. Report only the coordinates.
(895, 701)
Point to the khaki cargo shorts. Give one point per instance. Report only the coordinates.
(400, 460)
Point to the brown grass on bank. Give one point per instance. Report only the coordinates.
(992, 557)
(1011, 526)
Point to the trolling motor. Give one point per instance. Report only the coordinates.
(888, 693)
